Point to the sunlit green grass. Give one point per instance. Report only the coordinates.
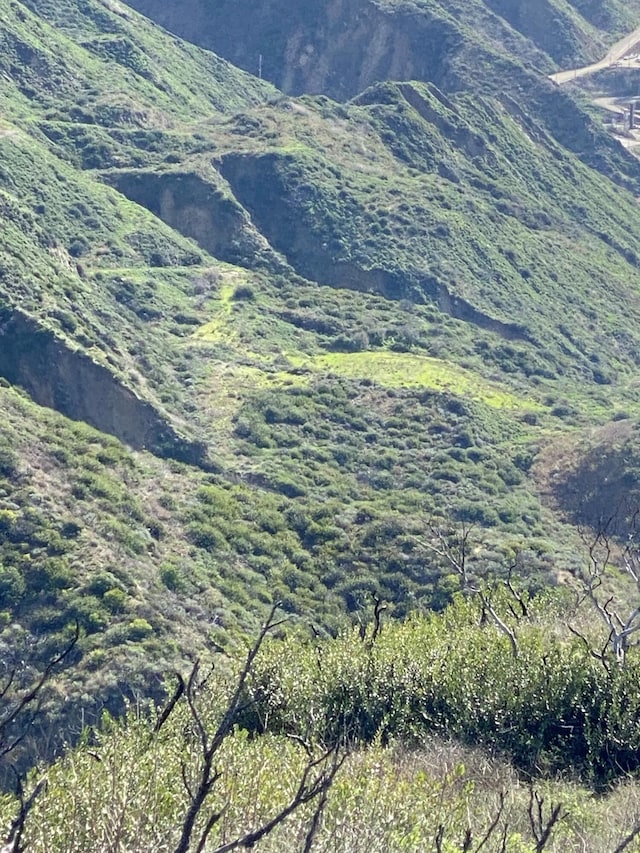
(406, 370)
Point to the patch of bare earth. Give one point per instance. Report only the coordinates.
(575, 472)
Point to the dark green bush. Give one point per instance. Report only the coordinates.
(552, 707)
(244, 293)
(205, 536)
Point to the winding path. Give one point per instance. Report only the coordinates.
(615, 53)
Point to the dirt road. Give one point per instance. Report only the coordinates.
(617, 52)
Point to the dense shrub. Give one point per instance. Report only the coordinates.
(551, 708)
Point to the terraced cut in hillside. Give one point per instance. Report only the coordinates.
(254, 345)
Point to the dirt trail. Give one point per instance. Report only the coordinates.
(619, 50)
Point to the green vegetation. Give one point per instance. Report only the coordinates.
(537, 695)
(260, 348)
(391, 697)
(396, 370)
(334, 420)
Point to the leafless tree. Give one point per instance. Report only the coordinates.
(602, 552)
(19, 706)
(468, 842)
(542, 825)
(541, 822)
(379, 607)
(452, 546)
(315, 781)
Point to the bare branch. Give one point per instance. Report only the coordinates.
(493, 825)
(185, 781)
(467, 842)
(315, 820)
(16, 830)
(308, 789)
(8, 683)
(171, 704)
(451, 546)
(210, 744)
(601, 656)
(22, 711)
(600, 551)
(503, 840)
(378, 609)
(190, 694)
(501, 625)
(24, 703)
(518, 596)
(303, 743)
(211, 822)
(626, 841)
(541, 827)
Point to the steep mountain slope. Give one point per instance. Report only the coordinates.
(422, 220)
(341, 46)
(291, 333)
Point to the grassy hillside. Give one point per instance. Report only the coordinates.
(254, 346)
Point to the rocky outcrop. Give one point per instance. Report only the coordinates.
(198, 209)
(336, 47)
(340, 47)
(69, 381)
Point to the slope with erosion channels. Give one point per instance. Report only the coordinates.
(340, 47)
(251, 344)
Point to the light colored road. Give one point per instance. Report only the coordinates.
(617, 52)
